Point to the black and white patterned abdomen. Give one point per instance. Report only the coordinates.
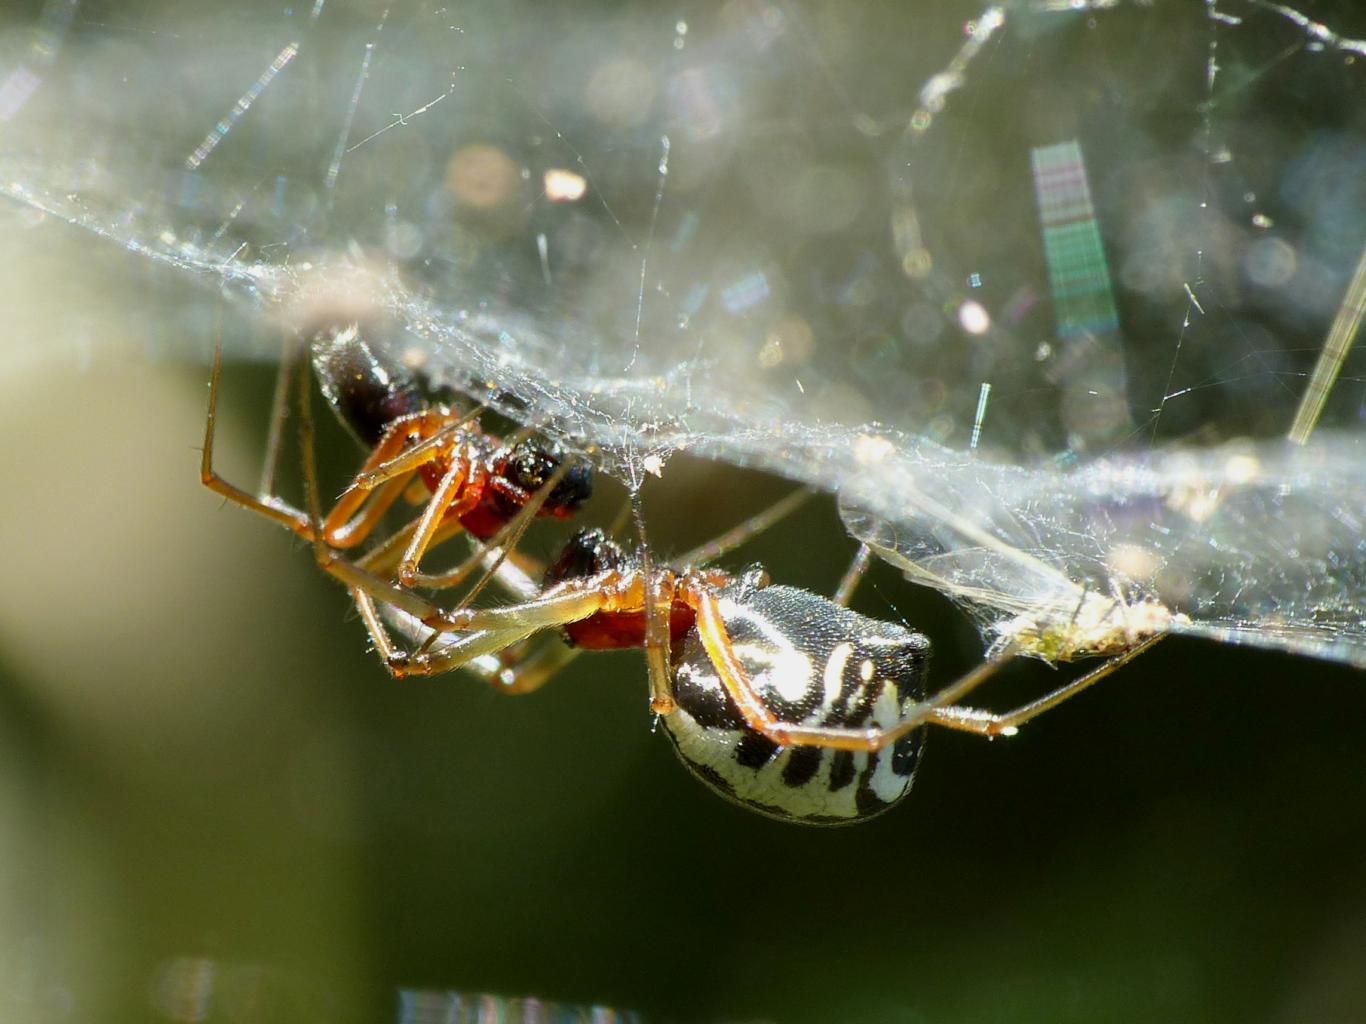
(812, 663)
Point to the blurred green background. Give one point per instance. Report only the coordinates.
(215, 805)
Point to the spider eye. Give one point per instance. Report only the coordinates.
(532, 462)
(588, 553)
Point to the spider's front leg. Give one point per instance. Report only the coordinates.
(384, 476)
(509, 664)
(409, 444)
(265, 502)
(477, 637)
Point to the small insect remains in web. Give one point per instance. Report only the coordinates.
(782, 700)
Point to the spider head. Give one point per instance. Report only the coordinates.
(587, 554)
(534, 461)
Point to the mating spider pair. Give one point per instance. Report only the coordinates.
(782, 700)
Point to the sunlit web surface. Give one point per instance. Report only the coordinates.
(1037, 288)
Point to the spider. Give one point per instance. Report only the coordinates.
(779, 699)
(784, 701)
(419, 445)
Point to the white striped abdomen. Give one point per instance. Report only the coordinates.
(812, 663)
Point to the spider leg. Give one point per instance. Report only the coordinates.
(493, 657)
(715, 637)
(566, 604)
(389, 654)
(279, 412)
(328, 558)
(341, 532)
(355, 577)
(853, 576)
(383, 558)
(465, 648)
(390, 474)
(418, 454)
(570, 602)
(524, 671)
(446, 495)
(939, 709)
(496, 630)
(268, 505)
(382, 479)
(660, 589)
(517, 573)
(743, 532)
(542, 612)
(990, 724)
(657, 597)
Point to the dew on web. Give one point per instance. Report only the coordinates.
(1039, 289)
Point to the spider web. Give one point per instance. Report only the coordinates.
(1050, 278)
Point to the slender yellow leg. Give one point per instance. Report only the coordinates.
(270, 506)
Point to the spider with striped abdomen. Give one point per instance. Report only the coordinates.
(782, 700)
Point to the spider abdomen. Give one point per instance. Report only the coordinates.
(812, 663)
